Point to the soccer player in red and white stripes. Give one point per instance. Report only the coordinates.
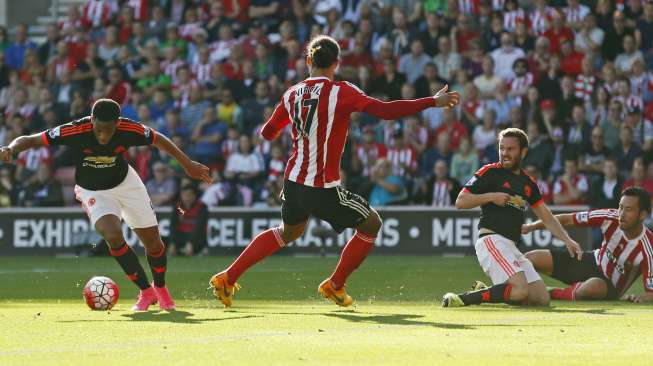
(318, 110)
(608, 272)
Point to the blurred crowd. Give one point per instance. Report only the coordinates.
(207, 73)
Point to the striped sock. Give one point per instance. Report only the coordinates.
(128, 260)
(352, 256)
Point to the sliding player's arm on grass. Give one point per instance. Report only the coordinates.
(352, 99)
(19, 144)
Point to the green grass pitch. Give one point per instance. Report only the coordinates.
(277, 319)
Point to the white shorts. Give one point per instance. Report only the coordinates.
(500, 259)
(128, 200)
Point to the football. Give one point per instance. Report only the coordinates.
(101, 293)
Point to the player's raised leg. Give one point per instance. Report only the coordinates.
(264, 244)
(354, 253)
(157, 258)
(109, 227)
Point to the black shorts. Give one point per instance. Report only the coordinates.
(337, 206)
(569, 270)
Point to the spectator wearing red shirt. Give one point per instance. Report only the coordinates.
(118, 89)
(60, 63)
(558, 32)
(452, 127)
(570, 60)
(638, 177)
(367, 152)
(464, 35)
(571, 187)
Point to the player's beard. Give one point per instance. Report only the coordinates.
(515, 164)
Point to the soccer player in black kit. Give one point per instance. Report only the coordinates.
(110, 190)
(502, 190)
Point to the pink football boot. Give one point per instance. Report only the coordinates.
(165, 300)
(146, 298)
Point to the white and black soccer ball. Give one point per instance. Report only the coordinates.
(101, 293)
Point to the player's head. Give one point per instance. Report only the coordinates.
(513, 146)
(104, 115)
(323, 52)
(634, 207)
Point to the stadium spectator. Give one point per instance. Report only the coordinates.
(594, 156)
(486, 133)
(641, 128)
(606, 190)
(454, 129)
(387, 188)
(15, 53)
(464, 162)
(505, 56)
(638, 178)
(188, 224)
(589, 38)
(624, 60)
(45, 191)
(487, 83)
(438, 190)
(614, 37)
(7, 187)
(628, 150)
(447, 60)
(540, 150)
(245, 170)
(571, 187)
(162, 187)
(207, 137)
(439, 151)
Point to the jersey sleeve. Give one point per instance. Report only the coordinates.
(67, 134)
(594, 218)
(279, 119)
(135, 134)
(354, 97)
(479, 183)
(533, 194)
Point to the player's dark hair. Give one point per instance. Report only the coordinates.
(516, 133)
(324, 51)
(105, 110)
(643, 197)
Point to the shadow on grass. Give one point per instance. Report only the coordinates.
(184, 317)
(558, 310)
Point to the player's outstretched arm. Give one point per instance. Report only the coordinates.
(403, 108)
(563, 219)
(194, 169)
(551, 223)
(466, 199)
(19, 144)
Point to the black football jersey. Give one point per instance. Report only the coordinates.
(99, 167)
(506, 220)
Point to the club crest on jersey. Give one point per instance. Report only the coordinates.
(649, 283)
(55, 132)
(147, 131)
(91, 202)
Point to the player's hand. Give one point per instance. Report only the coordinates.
(574, 249)
(5, 154)
(632, 298)
(527, 228)
(500, 199)
(199, 171)
(444, 99)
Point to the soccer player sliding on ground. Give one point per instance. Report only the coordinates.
(109, 189)
(608, 272)
(318, 109)
(502, 190)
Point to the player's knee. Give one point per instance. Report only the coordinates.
(113, 237)
(291, 233)
(373, 223)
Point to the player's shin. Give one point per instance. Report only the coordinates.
(495, 294)
(352, 256)
(264, 245)
(158, 262)
(128, 260)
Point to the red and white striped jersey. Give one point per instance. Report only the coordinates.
(577, 14)
(511, 18)
(620, 259)
(469, 7)
(170, 68)
(201, 72)
(540, 20)
(319, 110)
(585, 87)
(520, 82)
(96, 13)
(402, 159)
(367, 155)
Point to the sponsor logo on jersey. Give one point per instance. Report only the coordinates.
(101, 159)
(614, 260)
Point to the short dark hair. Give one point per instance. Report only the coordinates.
(324, 51)
(105, 110)
(643, 197)
(516, 133)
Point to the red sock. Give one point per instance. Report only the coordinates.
(568, 293)
(352, 256)
(262, 246)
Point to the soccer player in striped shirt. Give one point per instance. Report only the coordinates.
(109, 189)
(318, 110)
(608, 272)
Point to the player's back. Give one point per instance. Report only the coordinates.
(319, 111)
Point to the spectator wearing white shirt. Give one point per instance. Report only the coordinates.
(505, 56)
(447, 61)
(412, 64)
(245, 166)
(590, 37)
(488, 82)
(624, 61)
